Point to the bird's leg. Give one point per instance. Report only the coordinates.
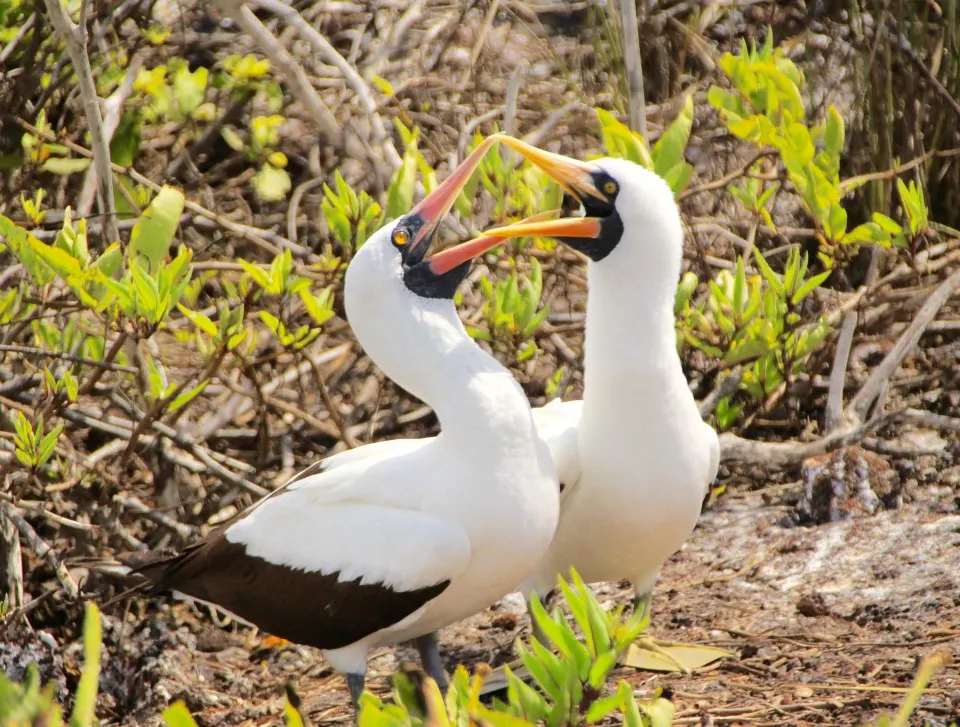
(642, 602)
(355, 683)
(429, 652)
(641, 605)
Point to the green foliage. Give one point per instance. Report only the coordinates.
(666, 158)
(351, 217)
(23, 705)
(33, 448)
(569, 680)
(766, 107)
(51, 157)
(754, 321)
(29, 704)
(512, 311)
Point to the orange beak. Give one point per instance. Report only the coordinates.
(447, 260)
(573, 175)
(434, 207)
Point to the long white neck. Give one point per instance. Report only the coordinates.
(421, 344)
(631, 362)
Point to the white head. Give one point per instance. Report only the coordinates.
(631, 228)
(400, 302)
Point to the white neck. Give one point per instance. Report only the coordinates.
(421, 344)
(631, 361)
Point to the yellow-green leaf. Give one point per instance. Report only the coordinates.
(154, 232)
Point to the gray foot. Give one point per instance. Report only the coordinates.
(429, 652)
(355, 684)
(642, 603)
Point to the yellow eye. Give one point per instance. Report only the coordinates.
(401, 237)
(610, 187)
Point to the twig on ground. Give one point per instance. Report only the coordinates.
(785, 454)
(40, 548)
(183, 531)
(630, 40)
(30, 351)
(484, 32)
(75, 39)
(871, 389)
(331, 406)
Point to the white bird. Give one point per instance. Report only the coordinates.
(634, 457)
(392, 541)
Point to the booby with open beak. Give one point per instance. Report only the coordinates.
(387, 543)
(634, 457)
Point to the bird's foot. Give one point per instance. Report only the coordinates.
(355, 683)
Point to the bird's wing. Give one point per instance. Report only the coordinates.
(327, 561)
(557, 424)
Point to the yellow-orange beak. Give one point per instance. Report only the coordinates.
(588, 227)
(573, 175)
(447, 260)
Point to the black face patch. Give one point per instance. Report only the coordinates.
(427, 284)
(403, 236)
(417, 275)
(611, 226)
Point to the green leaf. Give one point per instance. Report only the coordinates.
(271, 183)
(772, 278)
(186, 397)
(153, 234)
(402, 185)
(604, 706)
(809, 286)
(200, 320)
(604, 664)
(668, 151)
(189, 88)
(47, 445)
(65, 166)
(177, 715)
(147, 296)
(85, 701)
(22, 243)
(22, 426)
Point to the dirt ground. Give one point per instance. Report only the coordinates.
(828, 623)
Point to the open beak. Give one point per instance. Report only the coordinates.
(446, 260)
(585, 227)
(437, 204)
(573, 175)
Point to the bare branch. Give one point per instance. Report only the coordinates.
(353, 79)
(870, 391)
(630, 29)
(73, 37)
(112, 108)
(833, 414)
(39, 546)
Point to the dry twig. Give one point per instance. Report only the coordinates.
(75, 38)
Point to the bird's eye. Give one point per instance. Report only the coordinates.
(401, 237)
(610, 187)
